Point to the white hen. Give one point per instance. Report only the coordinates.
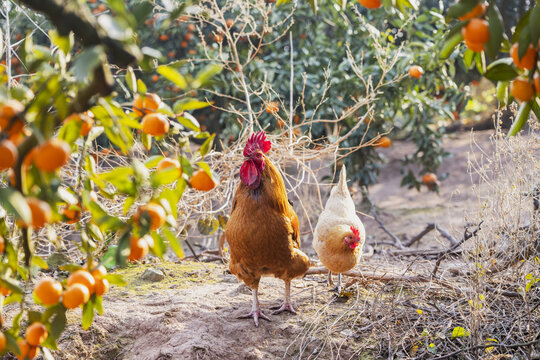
(339, 234)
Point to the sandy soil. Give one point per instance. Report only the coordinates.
(192, 313)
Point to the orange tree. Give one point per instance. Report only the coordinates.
(416, 106)
(49, 120)
(480, 26)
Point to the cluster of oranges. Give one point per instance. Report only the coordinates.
(81, 284)
(476, 31)
(522, 89)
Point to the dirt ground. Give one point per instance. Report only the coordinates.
(192, 313)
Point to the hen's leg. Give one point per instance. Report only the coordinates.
(256, 311)
(329, 281)
(338, 288)
(287, 305)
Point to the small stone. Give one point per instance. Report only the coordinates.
(153, 275)
(57, 259)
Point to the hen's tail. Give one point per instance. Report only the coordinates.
(342, 184)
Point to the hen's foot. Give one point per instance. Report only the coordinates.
(283, 307)
(256, 315)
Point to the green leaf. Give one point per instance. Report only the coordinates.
(458, 331)
(122, 251)
(187, 168)
(159, 247)
(164, 177)
(523, 44)
(115, 279)
(173, 76)
(85, 63)
(521, 118)
(98, 305)
(520, 26)
(502, 93)
(174, 243)
(141, 87)
(450, 45)
(88, 315)
(461, 8)
(206, 74)
(190, 104)
(496, 29)
(188, 121)
(39, 262)
(534, 24)
(207, 145)
(141, 10)
(500, 72)
(115, 29)
(314, 5)
(64, 43)
(131, 79)
(14, 203)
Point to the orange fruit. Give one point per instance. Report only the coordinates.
(536, 79)
(476, 31)
(82, 277)
(416, 71)
(16, 126)
(102, 286)
(429, 179)
(229, 22)
(10, 108)
(4, 291)
(138, 248)
(370, 4)
(26, 350)
(36, 334)
(272, 107)
(171, 54)
(384, 142)
(163, 37)
(202, 181)
(192, 52)
(99, 272)
(8, 154)
(73, 215)
(168, 163)
(218, 38)
(48, 291)
(75, 295)
(183, 44)
(2, 341)
(527, 61)
(477, 11)
(155, 124)
(476, 47)
(188, 36)
(29, 158)
(155, 78)
(41, 212)
(52, 155)
(156, 213)
(87, 122)
(149, 104)
(2, 244)
(521, 90)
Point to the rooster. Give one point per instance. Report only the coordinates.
(339, 234)
(262, 230)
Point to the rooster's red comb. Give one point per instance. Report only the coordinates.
(257, 141)
(355, 231)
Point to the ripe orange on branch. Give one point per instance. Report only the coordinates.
(41, 212)
(155, 124)
(82, 277)
(7, 110)
(521, 90)
(476, 31)
(48, 291)
(138, 248)
(8, 154)
(416, 71)
(2, 341)
(27, 351)
(272, 107)
(155, 212)
(102, 286)
(36, 334)
(76, 295)
(475, 47)
(148, 105)
(383, 142)
(370, 4)
(527, 61)
(167, 164)
(52, 155)
(202, 181)
(477, 11)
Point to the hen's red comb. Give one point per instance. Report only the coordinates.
(355, 231)
(257, 141)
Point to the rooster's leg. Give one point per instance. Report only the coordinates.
(337, 288)
(287, 305)
(329, 281)
(256, 311)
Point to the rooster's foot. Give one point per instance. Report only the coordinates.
(256, 315)
(283, 307)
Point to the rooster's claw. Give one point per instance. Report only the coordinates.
(255, 315)
(283, 307)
